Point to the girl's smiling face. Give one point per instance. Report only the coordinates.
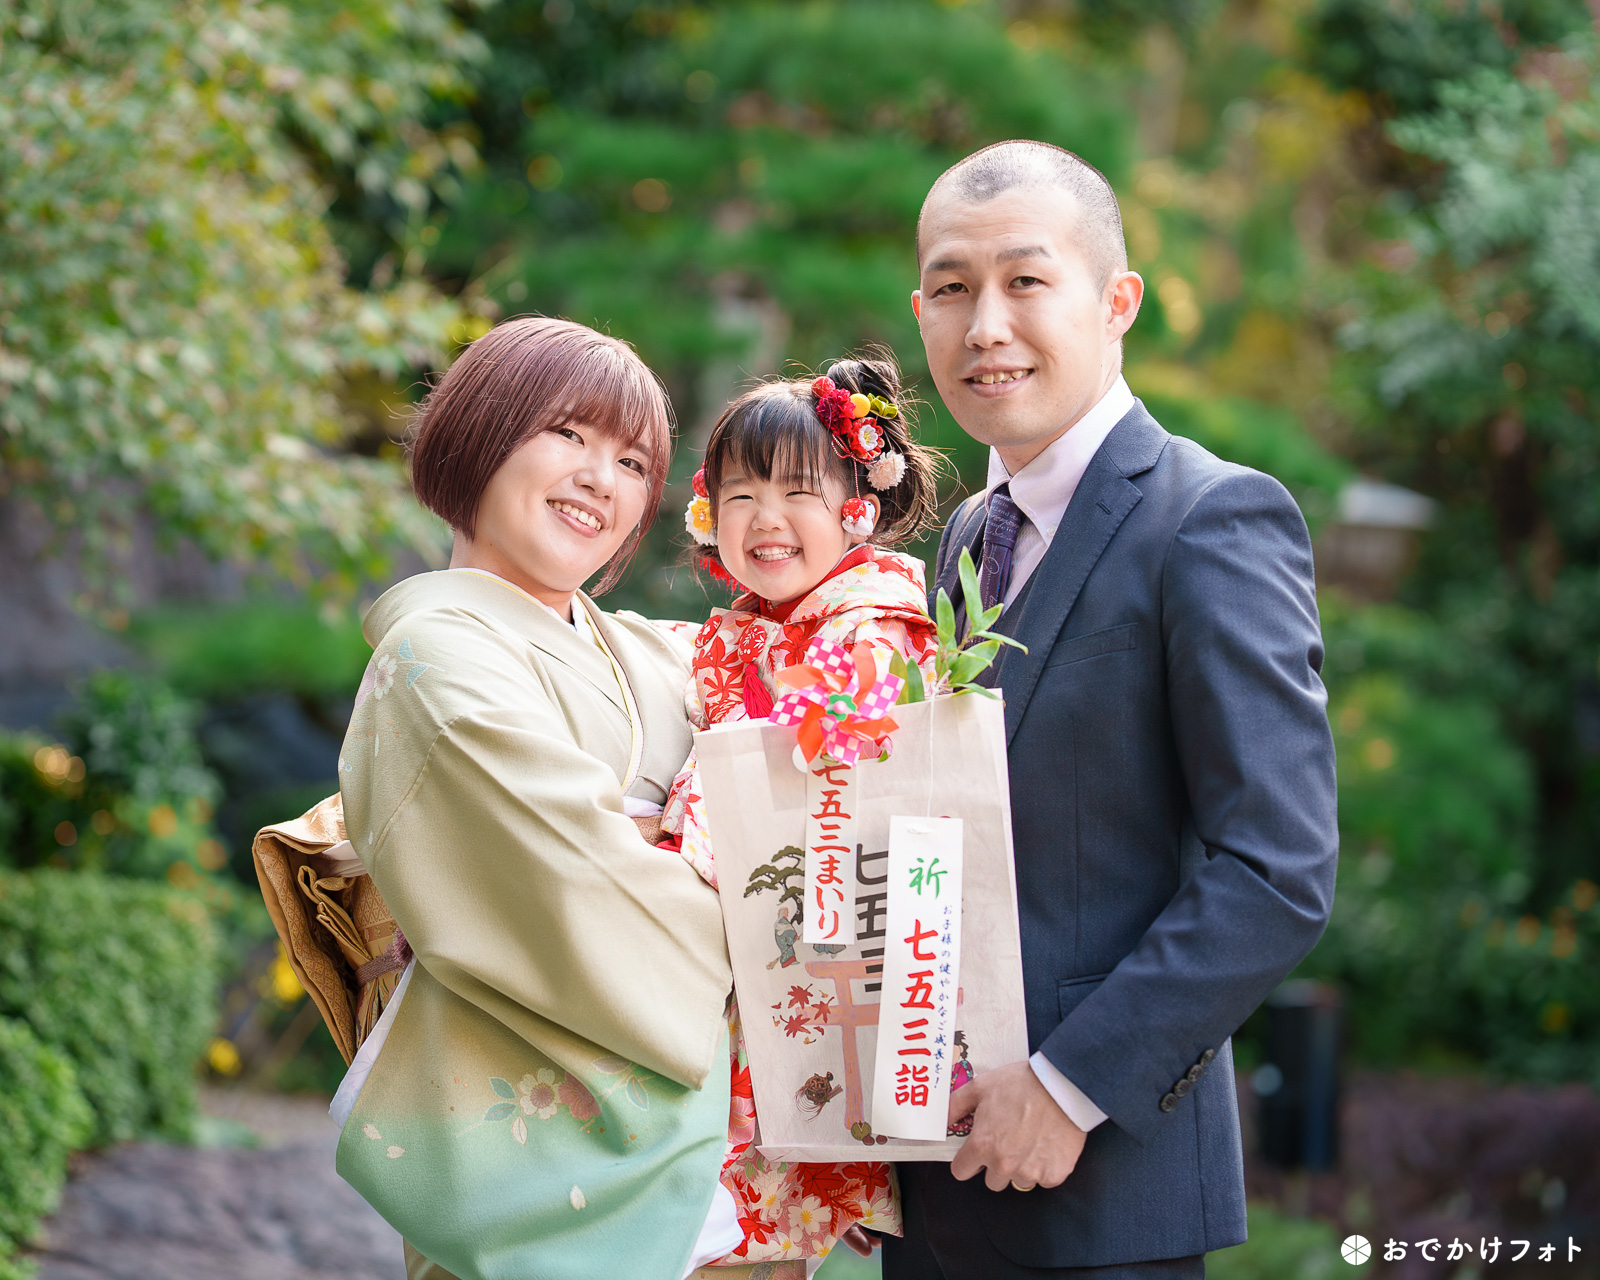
(780, 537)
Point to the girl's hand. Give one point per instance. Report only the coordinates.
(857, 1240)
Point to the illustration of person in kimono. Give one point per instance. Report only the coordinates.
(786, 935)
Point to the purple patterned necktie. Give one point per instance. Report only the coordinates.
(999, 541)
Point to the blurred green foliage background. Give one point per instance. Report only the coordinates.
(236, 237)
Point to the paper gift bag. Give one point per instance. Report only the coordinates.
(811, 1010)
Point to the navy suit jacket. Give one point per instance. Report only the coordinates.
(1173, 809)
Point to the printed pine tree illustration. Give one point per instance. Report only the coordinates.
(776, 877)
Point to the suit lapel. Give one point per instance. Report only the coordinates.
(1103, 499)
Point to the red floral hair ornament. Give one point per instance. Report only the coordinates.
(853, 420)
(697, 516)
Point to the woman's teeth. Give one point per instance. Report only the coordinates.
(769, 554)
(988, 379)
(577, 513)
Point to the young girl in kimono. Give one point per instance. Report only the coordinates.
(806, 484)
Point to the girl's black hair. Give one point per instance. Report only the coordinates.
(773, 429)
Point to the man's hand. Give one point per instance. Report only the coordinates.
(1019, 1134)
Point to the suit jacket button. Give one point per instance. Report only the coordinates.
(1205, 1058)
(1169, 1102)
(1181, 1088)
(1194, 1073)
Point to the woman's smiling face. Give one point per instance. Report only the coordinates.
(560, 506)
(781, 537)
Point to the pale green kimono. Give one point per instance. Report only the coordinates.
(552, 1099)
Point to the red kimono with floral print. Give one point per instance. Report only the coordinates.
(793, 1211)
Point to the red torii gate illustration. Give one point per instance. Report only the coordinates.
(847, 1015)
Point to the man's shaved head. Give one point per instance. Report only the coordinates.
(1006, 166)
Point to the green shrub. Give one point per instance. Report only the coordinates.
(137, 737)
(120, 977)
(43, 1116)
(125, 791)
(217, 652)
(1447, 953)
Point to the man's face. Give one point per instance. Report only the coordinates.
(1022, 339)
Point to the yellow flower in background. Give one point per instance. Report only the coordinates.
(282, 983)
(163, 821)
(223, 1057)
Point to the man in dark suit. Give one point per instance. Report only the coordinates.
(1172, 772)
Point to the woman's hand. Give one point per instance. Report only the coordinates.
(857, 1240)
(650, 828)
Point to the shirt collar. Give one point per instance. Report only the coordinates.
(1044, 487)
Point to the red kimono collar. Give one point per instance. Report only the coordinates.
(751, 603)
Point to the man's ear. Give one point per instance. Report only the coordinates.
(1124, 292)
(916, 303)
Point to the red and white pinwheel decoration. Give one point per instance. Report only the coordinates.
(839, 701)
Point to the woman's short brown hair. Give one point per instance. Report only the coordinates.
(521, 378)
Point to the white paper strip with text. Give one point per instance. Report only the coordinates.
(921, 979)
(832, 796)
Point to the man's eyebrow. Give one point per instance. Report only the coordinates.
(1024, 251)
(1005, 255)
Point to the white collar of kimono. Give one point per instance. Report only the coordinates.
(579, 622)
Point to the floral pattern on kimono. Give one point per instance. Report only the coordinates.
(793, 1210)
(872, 596)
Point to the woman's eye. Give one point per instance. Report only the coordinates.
(634, 464)
(569, 433)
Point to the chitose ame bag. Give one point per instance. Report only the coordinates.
(871, 909)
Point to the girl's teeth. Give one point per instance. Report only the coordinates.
(781, 554)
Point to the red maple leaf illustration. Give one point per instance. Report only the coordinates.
(755, 1232)
(722, 683)
(869, 1177)
(713, 655)
(800, 996)
(825, 1181)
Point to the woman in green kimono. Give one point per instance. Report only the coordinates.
(547, 1093)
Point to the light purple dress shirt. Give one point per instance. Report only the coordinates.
(1042, 490)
